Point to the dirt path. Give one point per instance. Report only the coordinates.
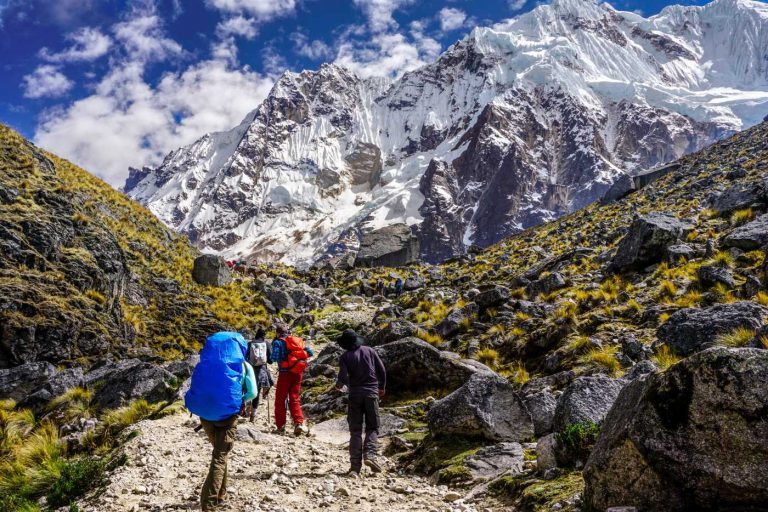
(168, 461)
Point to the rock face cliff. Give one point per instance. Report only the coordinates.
(512, 126)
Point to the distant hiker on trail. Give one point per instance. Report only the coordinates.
(399, 287)
(380, 287)
(259, 355)
(222, 383)
(291, 354)
(362, 371)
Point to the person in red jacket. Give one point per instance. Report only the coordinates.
(291, 354)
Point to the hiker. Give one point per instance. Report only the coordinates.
(291, 354)
(380, 287)
(364, 375)
(398, 287)
(259, 356)
(222, 383)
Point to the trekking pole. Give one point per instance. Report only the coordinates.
(269, 421)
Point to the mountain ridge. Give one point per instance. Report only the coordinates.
(534, 117)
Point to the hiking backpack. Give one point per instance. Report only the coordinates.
(216, 390)
(257, 353)
(296, 359)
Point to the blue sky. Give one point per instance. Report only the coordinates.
(111, 83)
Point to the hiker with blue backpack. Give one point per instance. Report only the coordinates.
(222, 383)
(291, 353)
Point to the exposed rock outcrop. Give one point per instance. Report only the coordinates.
(391, 246)
(647, 239)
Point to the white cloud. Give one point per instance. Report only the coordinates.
(46, 82)
(516, 5)
(88, 44)
(238, 26)
(143, 38)
(379, 12)
(314, 50)
(451, 18)
(390, 54)
(262, 10)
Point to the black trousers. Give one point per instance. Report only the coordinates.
(363, 410)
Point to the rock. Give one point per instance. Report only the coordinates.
(546, 284)
(710, 275)
(586, 399)
(451, 496)
(546, 452)
(541, 405)
(492, 296)
(211, 270)
(390, 246)
(693, 329)
(393, 331)
(633, 349)
(413, 283)
(647, 239)
(117, 384)
(679, 252)
(486, 406)
(453, 323)
(17, 382)
(623, 186)
(279, 298)
(336, 431)
(414, 365)
(690, 438)
(248, 433)
(57, 385)
(737, 197)
(750, 236)
(492, 461)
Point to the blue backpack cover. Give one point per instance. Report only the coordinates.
(216, 390)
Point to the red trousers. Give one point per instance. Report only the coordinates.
(287, 390)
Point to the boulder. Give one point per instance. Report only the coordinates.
(647, 239)
(413, 283)
(452, 323)
(710, 275)
(541, 405)
(393, 331)
(546, 452)
(390, 246)
(57, 385)
(118, 384)
(326, 362)
(693, 329)
(19, 381)
(486, 406)
(679, 252)
(623, 186)
(691, 438)
(279, 298)
(211, 270)
(492, 296)
(737, 197)
(545, 285)
(750, 236)
(586, 399)
(491, 461)
(414, 365)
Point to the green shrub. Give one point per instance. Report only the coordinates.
(76, 478)
(580, 437)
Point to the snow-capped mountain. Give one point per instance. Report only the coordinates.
(512, 126)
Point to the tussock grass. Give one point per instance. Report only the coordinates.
(739, 337)
(664, 357)
(604, 358)
(488, 357)
(740, 217)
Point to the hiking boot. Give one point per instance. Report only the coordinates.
(280, 431)
(353, 473)
(373, 464)
(300, 430)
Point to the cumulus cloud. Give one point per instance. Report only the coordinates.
(130, 121)
(451, 18)
(262, 10)
(87, 44)
(314, 50)
(516, 5)
(46, 82)
(387, 54)
(143, 38)
(379, 12)
(238, 26)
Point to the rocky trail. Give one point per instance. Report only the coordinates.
(167, 463)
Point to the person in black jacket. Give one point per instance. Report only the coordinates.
(363, 372)
(264, 378)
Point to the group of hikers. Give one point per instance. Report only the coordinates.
(396, 287)
(233, 376)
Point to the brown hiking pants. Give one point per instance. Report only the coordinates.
(221, 434)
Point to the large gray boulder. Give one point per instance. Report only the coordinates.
(647, 239)
(750, 236)
(390, 246)
(394, 330)
(452, 323)
(211, 270)
(55, 386)
(694, 437)
(486, 406)
(492, 461)
(541, 405)
(545, 285)
(118, 384)
(586, 399)
(738, 197)
(693, 329)
(414, 365)
(19, 381)
(491, 296)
